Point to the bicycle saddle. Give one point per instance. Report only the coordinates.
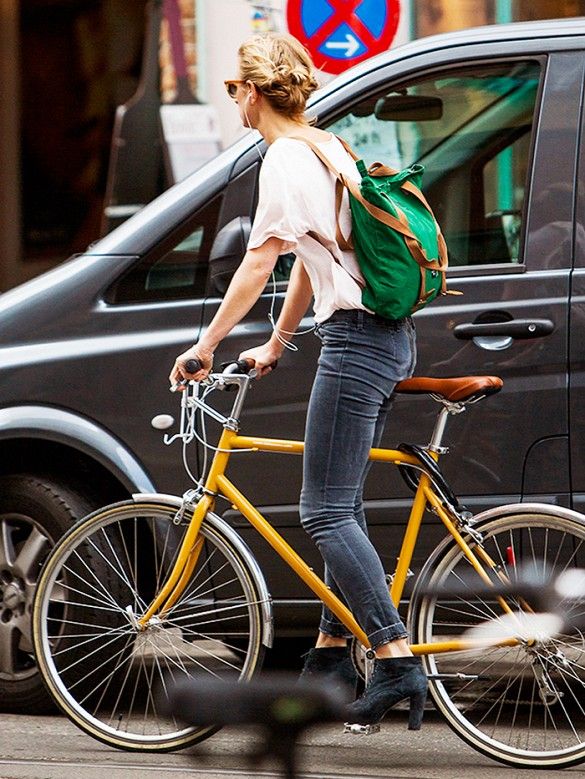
(454, 390)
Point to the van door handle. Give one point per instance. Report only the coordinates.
(514, 328)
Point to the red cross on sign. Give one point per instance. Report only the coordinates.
(341, 33)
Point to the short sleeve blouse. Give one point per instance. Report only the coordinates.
(297, 196)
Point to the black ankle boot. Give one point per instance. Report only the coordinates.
(333, 665)
(393, 680)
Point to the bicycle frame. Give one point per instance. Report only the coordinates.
(425, 497)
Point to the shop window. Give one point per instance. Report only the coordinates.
(78, 61)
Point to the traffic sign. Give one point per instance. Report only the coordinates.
(340, 33)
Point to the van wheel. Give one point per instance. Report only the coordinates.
(34, 513)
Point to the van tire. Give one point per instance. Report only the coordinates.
(35, 511)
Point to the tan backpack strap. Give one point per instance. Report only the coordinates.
(347, 148)
(317, 151)
(379, 169)
(343, 243)
(400, 223)
(443, 258)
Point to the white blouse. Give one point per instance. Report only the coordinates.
(297, 196)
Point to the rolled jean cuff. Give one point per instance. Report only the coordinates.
(387, 634)
(334, 629)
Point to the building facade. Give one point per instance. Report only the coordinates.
(65, 67)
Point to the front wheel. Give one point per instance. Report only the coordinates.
(107, 673)
(522, 705)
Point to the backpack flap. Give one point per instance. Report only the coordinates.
(403, 258)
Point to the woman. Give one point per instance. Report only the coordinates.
(362, 358)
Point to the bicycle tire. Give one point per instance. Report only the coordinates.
(498, 710)
(107, 674)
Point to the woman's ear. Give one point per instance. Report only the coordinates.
(253, 91)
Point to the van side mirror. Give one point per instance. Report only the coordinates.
(227, 252)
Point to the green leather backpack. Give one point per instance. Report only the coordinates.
(398, 243)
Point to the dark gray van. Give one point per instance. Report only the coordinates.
(495, 116)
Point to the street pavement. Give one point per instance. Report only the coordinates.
(50, 747)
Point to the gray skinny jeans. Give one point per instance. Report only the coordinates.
(362, 358)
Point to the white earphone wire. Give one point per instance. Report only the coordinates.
(256, 142)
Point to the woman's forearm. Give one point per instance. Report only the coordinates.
(246, 286)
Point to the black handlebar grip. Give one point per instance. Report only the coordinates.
(237, 366)
(193, 365)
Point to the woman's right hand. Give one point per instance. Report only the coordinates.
(264, 357)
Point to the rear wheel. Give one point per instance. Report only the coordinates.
(523, 705)
(108, 674)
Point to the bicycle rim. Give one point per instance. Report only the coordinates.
(106, 673)
(521, 705)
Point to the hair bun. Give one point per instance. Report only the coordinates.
(281, 67)
(298, 75)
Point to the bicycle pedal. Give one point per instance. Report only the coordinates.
(361, 730)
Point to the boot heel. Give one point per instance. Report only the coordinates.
(417, 707)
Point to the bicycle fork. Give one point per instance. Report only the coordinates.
(183, 567)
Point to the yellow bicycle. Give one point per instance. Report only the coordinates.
(160, 587)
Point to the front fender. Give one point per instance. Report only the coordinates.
(77, 432)
(242, 548)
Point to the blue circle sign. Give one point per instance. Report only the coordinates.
(340, 33)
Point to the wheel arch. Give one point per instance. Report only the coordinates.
(58, 443)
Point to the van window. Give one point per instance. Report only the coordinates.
(472, 131)
(177, 270)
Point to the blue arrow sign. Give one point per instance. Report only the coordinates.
(343, 43)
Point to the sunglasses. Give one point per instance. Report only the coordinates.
(231, 86)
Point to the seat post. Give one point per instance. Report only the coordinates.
(436, 441)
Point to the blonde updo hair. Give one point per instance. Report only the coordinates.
(281, 68)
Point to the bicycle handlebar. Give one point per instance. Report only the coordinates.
(193, 366)
(228, 368)
(232, 368)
